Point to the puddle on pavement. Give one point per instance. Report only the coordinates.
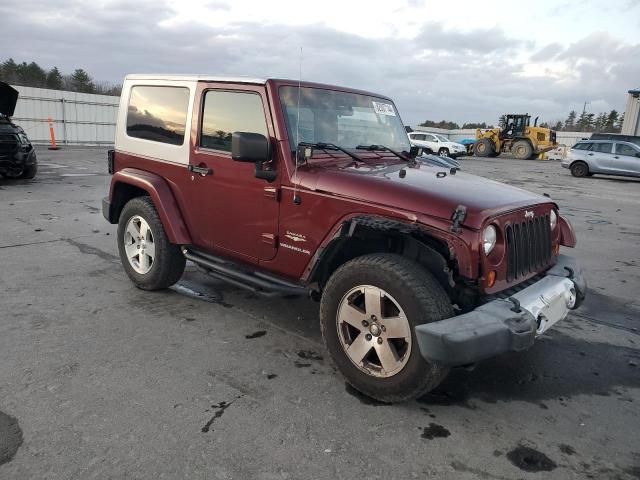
(530, 460)
(435, 431)
(10, 437)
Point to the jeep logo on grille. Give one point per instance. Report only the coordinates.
(528, 214)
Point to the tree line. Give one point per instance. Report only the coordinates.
(447, 125)
(605, 122)
(33, 75)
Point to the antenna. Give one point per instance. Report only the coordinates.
(296, 198)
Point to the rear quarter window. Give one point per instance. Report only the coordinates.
(158, 113)
(582, 146)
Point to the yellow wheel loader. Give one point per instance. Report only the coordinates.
(517, 137)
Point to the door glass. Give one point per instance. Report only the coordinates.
(623, 149)
(602, 147)
(227, 112)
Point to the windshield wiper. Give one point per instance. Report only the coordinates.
(329, 147)
(382, 148)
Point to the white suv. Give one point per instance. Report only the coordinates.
(437, 144)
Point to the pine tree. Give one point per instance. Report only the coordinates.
(558, 126)
(81, 81)
(569, 123)
(600, 122)
(611, 121)
(54, 79)
(8, 71)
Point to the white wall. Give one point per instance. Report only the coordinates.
(78, 118)
(631, 124)
(563, 138)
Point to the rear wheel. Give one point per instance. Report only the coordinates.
(150, 260)
(522, 149)
(579, 169)
(484, 148)
(368, 312)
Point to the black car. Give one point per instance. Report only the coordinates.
(616, 137)
(17, 155)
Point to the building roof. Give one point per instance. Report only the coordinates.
(196, 78)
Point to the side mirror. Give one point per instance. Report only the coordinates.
(253, 147)
(249, 147)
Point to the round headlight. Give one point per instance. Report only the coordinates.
(553, 219)
(489, 239)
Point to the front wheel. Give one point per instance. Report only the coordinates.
(443, 152)
(368, 312)
(522, 149)
(579, 169)
(150, 260)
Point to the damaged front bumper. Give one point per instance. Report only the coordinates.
(505, 325)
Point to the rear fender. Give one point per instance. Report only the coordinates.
(160, 193)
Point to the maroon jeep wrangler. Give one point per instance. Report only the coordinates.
(306, 189)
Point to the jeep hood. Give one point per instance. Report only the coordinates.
(422, 190)
(8, 99)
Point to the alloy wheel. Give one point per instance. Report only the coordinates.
(139, 244)
(374, 331)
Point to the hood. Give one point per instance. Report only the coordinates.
(421, 190)
(8, 99)
(453, 144)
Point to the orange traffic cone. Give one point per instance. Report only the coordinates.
(53, 145)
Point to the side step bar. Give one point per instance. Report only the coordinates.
(257, 282)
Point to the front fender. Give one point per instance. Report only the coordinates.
(158, 189)
(567, 235)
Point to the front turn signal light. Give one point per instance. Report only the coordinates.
(491, 279)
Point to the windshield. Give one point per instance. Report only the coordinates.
(442, 138)
(342, 118)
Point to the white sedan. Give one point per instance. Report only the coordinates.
(437, 144)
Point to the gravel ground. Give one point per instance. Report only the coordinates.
(100, 380)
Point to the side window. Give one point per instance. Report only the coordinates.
(602, 147)
(582, 146)
(623, 149)
(430, 138)
(419, 137)
(158, 113)
(226, 112)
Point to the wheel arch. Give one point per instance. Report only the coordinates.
(365, 235)
(130, 183)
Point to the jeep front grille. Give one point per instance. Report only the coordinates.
(528, 246)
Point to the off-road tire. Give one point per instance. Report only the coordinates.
(30, 172)
(443, 152)
(522, 150)
(423, 301)
(579, 169)
(169, 262)
(484, 148)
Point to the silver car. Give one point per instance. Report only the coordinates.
(607, 157)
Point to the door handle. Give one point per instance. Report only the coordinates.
(616, 156)
(201, 170)
(590, 154)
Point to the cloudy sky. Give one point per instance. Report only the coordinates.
(461, 61)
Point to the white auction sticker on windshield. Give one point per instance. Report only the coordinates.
(384, 109)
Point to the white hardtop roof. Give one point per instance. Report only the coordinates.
(195, 78)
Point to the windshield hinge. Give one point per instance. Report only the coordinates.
(458, 217)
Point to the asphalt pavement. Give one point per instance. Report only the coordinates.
(101, 380)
